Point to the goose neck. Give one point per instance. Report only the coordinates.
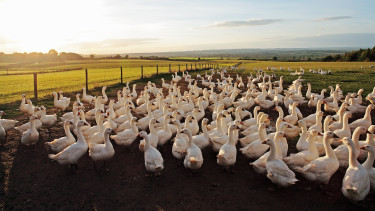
(369, 161)
(272, 155)
(352, 155)
(328, 148)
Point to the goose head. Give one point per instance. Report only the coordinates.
(371, 129)
(108, 131)
(2, 113)
(81, 123)
(347, 115)
(268, 142)
(142, 134)
(279, 135)
(176, 122)
(186, 131)
(346, 140)
(205, 121)
(368, 148)
(314, 133)
(301, 123)
(330, 135)
(133, 119)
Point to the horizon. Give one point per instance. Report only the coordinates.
(125, 27)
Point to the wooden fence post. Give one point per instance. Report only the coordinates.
(121, 75)
(191, 66)
(186, 68)
(36, 86)
(141, 71)
(87, 80)
(157, 69)
(179, 68)
(195, 66)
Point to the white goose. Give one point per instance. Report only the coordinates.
(181, 142)
(48, 120)
(344, 131)
(153, 159)
(128, 136)
(102, 151)
(311, 119)
(24, 107)
(30, 136)
(318, 123)
(193, 158)
(104, 95)
(7, 123)
(98, 137)
(365, 121)
(304, 157)
(356, 182)
(277, 171)
(3, 133)
(74, 152)
(256, 148)
(342, 151)
(339, 116)
(86, 98)
(60, 104)
(202, 140)
(321, 169)
(58, 145)
(165, 134)
(260, 164)
(152, 136)
(368, 164)
(228, 152)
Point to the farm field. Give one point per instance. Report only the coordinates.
(70, 77)
(31, 181)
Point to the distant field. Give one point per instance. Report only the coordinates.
(348, 74)
(70, 76)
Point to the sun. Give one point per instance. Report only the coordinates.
(37, 26)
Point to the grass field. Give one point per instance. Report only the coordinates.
(349, 75)
(52, 76)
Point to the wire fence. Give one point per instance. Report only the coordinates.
(39, 85)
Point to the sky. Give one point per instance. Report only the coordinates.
(137, 26)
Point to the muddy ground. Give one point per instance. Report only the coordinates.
(29, 180)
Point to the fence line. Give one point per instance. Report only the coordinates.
(72, 81)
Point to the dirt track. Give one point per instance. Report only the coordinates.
(34, 182)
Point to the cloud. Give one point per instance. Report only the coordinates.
(116, 43)
(251, 22)
(333, 18)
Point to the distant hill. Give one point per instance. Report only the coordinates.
(281, 53)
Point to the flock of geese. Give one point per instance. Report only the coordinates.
(179, 118)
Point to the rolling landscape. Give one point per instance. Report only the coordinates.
(174, 105)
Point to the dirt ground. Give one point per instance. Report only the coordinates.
(29, 180)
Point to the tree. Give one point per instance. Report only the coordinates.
(53, 52)
(274, 58)
(92, 56)
(126, 56)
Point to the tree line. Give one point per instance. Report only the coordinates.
(51, 56)
(362, 55)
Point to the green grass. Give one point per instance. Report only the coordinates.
(349, 75)
(103, 72)
(107, 72)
